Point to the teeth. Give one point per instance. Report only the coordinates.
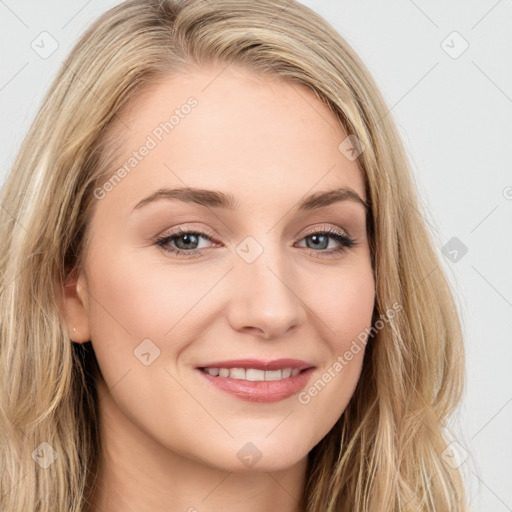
(252, 374)
(236, 373)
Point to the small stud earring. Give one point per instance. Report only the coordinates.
(74, 329)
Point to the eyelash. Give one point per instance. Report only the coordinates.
(343, 239)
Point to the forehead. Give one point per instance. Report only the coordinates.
(231, 128)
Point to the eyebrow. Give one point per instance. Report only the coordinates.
(218, 199)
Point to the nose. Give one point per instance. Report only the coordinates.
(263, 300)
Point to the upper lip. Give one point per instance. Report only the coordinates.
(259, 364)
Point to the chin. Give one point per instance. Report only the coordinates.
(261, 457)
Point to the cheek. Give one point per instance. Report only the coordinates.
(141, 298)
(345, 304)
(345, 309)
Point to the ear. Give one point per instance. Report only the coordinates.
(74, 305)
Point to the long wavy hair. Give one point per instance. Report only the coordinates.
(385, 451)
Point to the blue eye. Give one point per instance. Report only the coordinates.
(320, 239)
(186, 243)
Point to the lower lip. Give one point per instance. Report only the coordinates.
(261, 391)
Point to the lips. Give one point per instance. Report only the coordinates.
(244, 388)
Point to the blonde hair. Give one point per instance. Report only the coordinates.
(385, 451)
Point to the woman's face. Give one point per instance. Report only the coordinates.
(259, 278)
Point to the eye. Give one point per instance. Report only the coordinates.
(320, 239)
(187, 243)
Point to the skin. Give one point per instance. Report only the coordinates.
(169, 438)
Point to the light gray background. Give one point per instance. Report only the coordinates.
(454, 115)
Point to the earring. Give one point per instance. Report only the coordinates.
(74, 329)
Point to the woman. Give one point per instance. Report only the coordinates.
(218, 289)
